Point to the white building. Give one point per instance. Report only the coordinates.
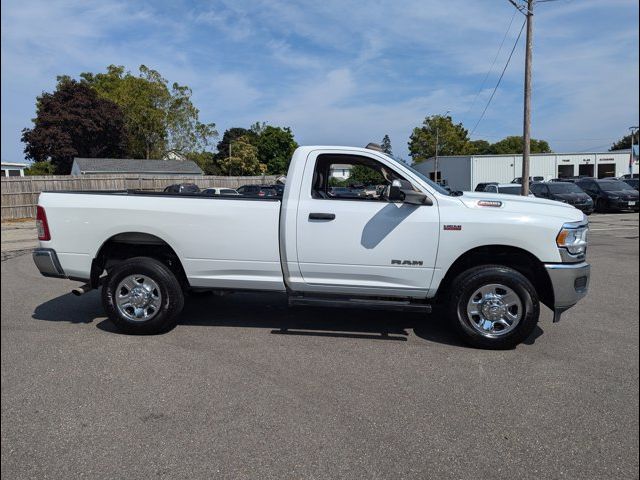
(341, 172)
(10, 169)
(466, 172)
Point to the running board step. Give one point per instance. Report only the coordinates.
(372, 304)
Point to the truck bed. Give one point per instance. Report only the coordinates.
(223, 242)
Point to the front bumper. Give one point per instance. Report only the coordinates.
(47, 262)
(624, 204)
(570, 282)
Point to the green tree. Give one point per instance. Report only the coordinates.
(275, 147)
(514, 145)
(258, 128)
(207, 161)
(159, 118)
(74, 121)
(624, 143)
(40, 168)
(452, 138)
(386, 145)
(478, 147)
(363, 175)
(243, 159)
(232, 135)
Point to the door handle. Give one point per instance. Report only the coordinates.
(322, 216)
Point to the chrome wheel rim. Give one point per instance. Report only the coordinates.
(494, 310)
(138, 298)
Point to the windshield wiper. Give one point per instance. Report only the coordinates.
(456, 193)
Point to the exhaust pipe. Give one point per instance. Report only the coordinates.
(81, 290)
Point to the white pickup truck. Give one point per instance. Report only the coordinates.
(488, 259)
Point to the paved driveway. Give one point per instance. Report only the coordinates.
(340, 394)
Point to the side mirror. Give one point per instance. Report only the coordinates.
(404, 193)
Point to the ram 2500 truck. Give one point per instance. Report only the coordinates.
(488, 260)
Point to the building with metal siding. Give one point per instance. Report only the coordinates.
(465, 172)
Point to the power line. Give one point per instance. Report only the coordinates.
(499, 79)
(484, 81)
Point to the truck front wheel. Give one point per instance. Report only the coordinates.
(141, 295)
(493, 306)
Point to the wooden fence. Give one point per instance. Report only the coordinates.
(20, 194)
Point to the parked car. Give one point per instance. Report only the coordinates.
(566, 179)
(346, 192)
(257, 191)
(481, 187)
(505, 188)
(488, 260)
(279, 188)
(632, 182)
(531, 180)
(220, 191)
(628, 176)
(182, 188)
(564, 192)
(610, 194)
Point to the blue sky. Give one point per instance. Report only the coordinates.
(341, 72)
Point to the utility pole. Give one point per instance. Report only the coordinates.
(435, 163)
(631, 159)
(526, 136)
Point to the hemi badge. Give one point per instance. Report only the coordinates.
(455, 228)
(489, 203)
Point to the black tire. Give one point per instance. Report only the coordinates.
(468, 282)
(171, 296)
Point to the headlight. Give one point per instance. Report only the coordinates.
(614, 197)
(574, 238)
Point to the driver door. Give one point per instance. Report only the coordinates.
(356, 244)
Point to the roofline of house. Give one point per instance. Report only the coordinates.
(14, 164)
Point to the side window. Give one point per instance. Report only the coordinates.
(588, 187)
(352, 177)
(491, 189)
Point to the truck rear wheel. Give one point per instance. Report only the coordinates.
(493, 307)
(142, 296)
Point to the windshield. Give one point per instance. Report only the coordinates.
(511, 190)
(422, 177)
(564, 188)
(614, 186)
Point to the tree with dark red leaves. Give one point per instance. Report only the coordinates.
(74, 121)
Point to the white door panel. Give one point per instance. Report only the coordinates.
(357, 248)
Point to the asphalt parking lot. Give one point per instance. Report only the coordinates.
(246, 388)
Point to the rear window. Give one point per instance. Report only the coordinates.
(561, 187)
(511, 190)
